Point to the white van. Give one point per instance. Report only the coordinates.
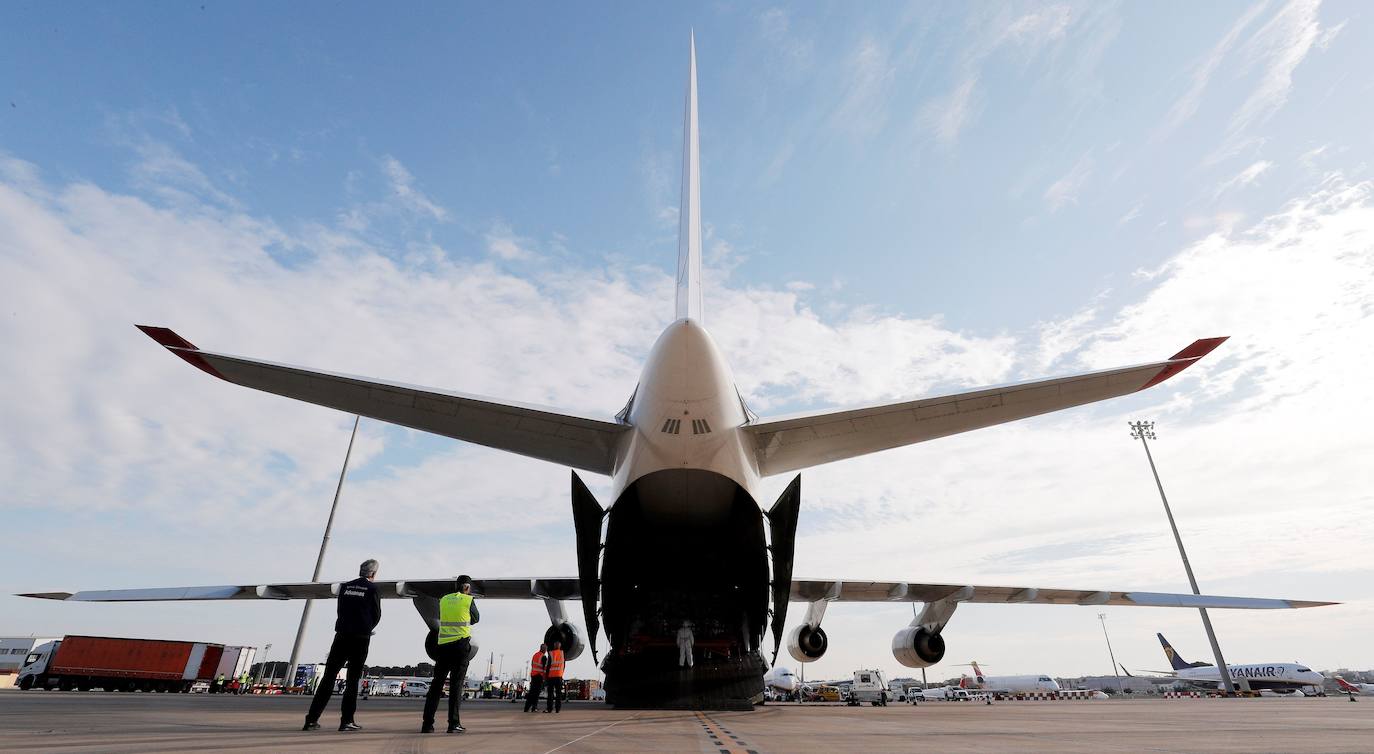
(414, 688)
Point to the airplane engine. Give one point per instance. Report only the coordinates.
(432, 646)
(807, 643)
(916, 647)
(571, 637)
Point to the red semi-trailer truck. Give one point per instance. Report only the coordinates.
(86, 662)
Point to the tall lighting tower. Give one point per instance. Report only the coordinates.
(1144, 432)
(1103, 617)
(319, 560)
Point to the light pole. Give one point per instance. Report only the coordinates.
(1145, 431)
(262, 666)
(1103, 617)
(319, 559)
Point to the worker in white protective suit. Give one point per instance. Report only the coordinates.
(684, 645)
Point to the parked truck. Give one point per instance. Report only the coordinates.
(869, 686)
(113, 664)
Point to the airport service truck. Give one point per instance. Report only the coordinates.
(869, 686)
(86, 662)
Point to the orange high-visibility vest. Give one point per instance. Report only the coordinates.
(537, 664)
(555, 663)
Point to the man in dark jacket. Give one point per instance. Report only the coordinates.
(360, 610)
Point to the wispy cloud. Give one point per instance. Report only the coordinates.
(869, 74)
(1186, 106)
(794, 50)
(503, 243)
(1065, 191)
(1131, 214)
(946, 116)
(1243, 178)
(1279, 47)
(410, 197)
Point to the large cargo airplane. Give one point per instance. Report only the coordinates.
(686, 538)
(1271, 676)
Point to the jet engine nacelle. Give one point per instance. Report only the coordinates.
(571, 637)
(432, 646)
(807, 643)
(917, 647)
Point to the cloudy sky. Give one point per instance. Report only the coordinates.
(899, 201)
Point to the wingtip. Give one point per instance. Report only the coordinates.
(46, 595)
(1185, 358)
(166, 337)
(183, 348)
(1199, 348)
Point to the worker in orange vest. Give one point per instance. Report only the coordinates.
(539, 666)
(554, 681)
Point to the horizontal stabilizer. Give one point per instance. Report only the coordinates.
(548, 434)
(795, 442)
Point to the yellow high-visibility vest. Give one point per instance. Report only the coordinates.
(455, 617)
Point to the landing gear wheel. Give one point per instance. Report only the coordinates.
(26, 683)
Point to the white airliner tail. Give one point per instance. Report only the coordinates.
(689, 212)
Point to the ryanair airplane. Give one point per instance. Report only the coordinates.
(687, 542)
(1265, 676)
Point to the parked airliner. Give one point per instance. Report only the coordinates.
(1273, 676)
(1008, 684)
(686, 536)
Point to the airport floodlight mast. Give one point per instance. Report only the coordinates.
(1144, 432)
(262, 666)
(319, 559)
(1103, 617)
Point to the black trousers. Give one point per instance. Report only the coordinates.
(452, 663)
(532, 696)
(346, 650)
(555, 687)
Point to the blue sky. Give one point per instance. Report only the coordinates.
(898, 200)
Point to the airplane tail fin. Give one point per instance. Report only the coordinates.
(1346, 685)
(977, 671)
(689, 214)
(1177, 662)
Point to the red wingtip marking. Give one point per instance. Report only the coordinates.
(183, 348)
(1184, 359)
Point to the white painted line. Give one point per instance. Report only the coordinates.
(593, 733)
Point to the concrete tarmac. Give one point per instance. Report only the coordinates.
(140, 722)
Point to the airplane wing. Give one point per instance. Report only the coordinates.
(547, 434)
(492, 589)
(804, 590)
(799, 441)
(569, 588)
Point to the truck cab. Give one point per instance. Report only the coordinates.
(35, 664)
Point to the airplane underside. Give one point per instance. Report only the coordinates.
(662, 569)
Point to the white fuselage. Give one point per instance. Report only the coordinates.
(1014, 684)
(686, 414)
(781, 679)
(1259, 675)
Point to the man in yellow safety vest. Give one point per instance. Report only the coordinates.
(457, 614)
